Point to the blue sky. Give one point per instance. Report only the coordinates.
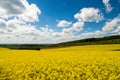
(44, 21)
(66, 9)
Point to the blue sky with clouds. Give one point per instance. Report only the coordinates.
(44, 21)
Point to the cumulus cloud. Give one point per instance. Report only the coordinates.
(16, 24)
(2, 24)
(31, 13)
(11, 7)
(14, 27)
(67, 34)
(14, 18)
(94, 34)
(112, 25)
(107, 5)
(78, 26)
(21, 9)
(63, 23)
(117, 30)
(89, 15)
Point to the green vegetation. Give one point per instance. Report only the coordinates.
(89, 41)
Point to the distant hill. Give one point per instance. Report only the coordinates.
(89, 41)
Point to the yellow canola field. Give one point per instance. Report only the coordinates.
(92, 62)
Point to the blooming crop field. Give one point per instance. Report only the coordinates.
(92, 62)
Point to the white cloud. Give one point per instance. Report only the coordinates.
(117, 31)
(78, 26)
(14, 32)
(14, 27)
(112, 25)
(63, 23)
(11, 7)
(107, 5)
(89, 15)
(14, 18)
(47, 25)
(67, 34)
(2, 24)
(94, 34)
(31, 13)
(21, 9)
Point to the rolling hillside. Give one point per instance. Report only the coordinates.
(89, 41)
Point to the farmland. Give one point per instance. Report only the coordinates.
(89, 62)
